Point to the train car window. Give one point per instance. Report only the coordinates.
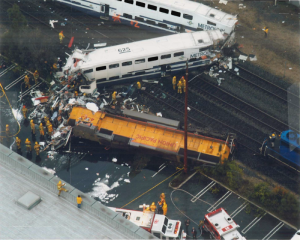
(178, 54)
(165, 56)
(129, 1)
(139, 61)
(211, 23)
(88, 71)
(200, 41)
(119, 0)
(212, 15)
(162, 25)
(151, 59)
(127, 63)
(139, 19)
(186, 16)
(164, 10)
(114, 66)
(204, 49)
(174, 13)
(125, 15)
(140, 4)
(101, 68)
(150, 22)
(152, 7)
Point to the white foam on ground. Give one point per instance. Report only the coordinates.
(114, 160)
(92, 106)
(100, 190)
(49, 170)
(18, 115)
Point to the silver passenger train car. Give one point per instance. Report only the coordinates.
(148, 58)
(167, 15)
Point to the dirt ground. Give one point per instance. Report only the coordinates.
(279, 52)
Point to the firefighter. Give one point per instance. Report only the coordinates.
(266, 30)
(153, 207)
(272, 138)
(28, 145)
(54, 67)
(50, 128)
(46, 119)
(179, 85)
(162, 198)
(24, 111)
(139, 86)
(18, 142)
(36, 76)
(60, 187)
(183, 83)
(32, 126)
(41, 127)
(26, 81)
(76, 94)
(7, 130)
(174, 82)
(61, 36)
(159, 208)
(114, 97)
(37, 148)
(165, 208)
(79, 201)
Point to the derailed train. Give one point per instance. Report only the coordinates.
(285, 148)
(147, 59)
(167, 16)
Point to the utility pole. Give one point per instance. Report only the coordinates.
(185, 116)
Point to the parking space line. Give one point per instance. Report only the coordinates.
(14, 82)
(273, 231)
(217, 203)
(239, 209)
(251, 225)
(203, 191)
(158, 171)
(7, 70)
(28, 91)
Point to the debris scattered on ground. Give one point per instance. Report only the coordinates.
(114, 160)
(243, 57)
(252, 57)
(159, 114)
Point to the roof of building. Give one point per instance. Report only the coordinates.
(156, 46)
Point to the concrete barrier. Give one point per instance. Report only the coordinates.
(47, 180)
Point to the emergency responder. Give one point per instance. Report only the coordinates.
(201, 225)
(159, 208)
(61, 36)
(54, 67)
(165, 208)
(18, 142)
(153, 207)
(139, 86)
(272, 138)
(114, 97)
(266, 30)
(50, 128)
(32, 126)
(46, 119)
(28, 145)
(36, 76)
(183, 83)
(60, 187)
(26, 81)
(76, 94)
(37, 148)
(174, 82)
(162, 198)
(41, 127)
(187, 224)
(7, 130)
(24, 111)
(79, 201)
(179, 85)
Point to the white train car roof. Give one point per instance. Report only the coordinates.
(151, 47)
(201, 9)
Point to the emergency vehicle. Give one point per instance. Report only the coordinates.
(157, 224)
(221, 226)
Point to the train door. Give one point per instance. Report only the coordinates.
(105, 11)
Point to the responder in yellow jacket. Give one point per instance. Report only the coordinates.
(114, 97)
(7, 130)
(28, 145)
(183, 83)
(46, 119)
(79, 201)
(37, 148)
(60, 187)
(32, 126)
(24, 111)
(50, 129)
(165, 208)
(26, 81)
(61, 36)
(174, 82)
(179, 85)
(41, 127)
(36, 76)
(153, 207)
(18, 142)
